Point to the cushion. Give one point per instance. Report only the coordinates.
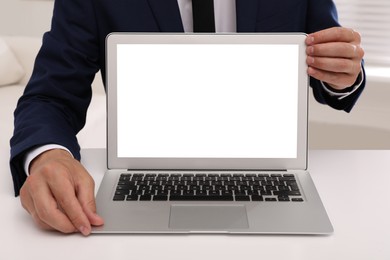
(10, 69)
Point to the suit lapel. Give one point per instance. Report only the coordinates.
(167, 15)
(246, 15)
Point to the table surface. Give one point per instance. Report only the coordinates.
(354, 186)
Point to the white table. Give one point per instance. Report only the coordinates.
(354, 186)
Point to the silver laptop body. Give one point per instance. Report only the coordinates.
(208, 134)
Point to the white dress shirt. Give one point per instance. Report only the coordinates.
(224, 12)
(225, 22)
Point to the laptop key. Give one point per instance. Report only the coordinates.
(123, 187)
(201, 192)
(188, 193)
(145, 197)
(297, 199)
(283, 198)
(162, 192)
(160, 197)
(265, 192)
(214, 193)
(257, 198)
(125, 177)
(119, 197)
(176, 193)
(200, 197)
(287, 193)
(242, 198)
(122, 192)
(133, 197)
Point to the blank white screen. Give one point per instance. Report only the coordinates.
(207, 100)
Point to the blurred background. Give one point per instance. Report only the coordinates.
(22, 23)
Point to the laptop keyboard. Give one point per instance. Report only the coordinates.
(207, 187)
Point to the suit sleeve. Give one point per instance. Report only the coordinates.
(322, 14)
(53, 107)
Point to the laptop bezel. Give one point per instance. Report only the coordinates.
(115, 162)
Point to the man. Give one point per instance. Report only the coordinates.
(58, 192)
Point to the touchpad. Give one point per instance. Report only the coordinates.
(208, 217)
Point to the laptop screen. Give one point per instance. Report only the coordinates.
(207, 100)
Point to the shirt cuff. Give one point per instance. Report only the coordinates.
(30, 156)
(344, 94)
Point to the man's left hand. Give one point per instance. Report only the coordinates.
(334, 56)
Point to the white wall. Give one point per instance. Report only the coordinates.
(25, 17)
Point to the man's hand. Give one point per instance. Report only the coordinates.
(59, 194)
(334, 56)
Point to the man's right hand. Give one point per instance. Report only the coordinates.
(59, 194)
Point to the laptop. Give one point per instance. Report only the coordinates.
(208, 134)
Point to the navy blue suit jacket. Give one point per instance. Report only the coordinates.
(53, 107)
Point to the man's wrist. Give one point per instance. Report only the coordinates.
(34, 153)
(341, 94)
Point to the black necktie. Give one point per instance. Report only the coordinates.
(203, 16)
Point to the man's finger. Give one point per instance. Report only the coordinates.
(86, 197)
(46, 210)
(335, 49)
(93, 218)
(28, 205)
(66, 198)
(335, 34)
(338, 65)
